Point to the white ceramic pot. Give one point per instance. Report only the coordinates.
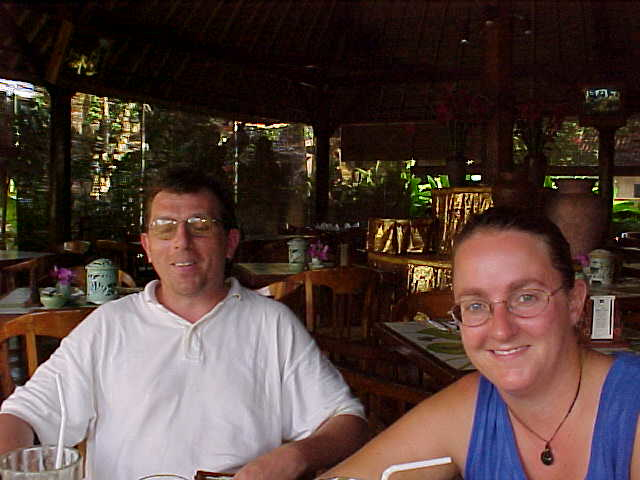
(102, 281)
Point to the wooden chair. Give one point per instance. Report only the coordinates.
(78, 247)
(21, 274)
(54, 324)
(288, 291)
(34, 272)
(384, 381)
(118, 252)
(435, 304)
(339, 301)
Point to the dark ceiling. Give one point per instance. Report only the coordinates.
(342, 61)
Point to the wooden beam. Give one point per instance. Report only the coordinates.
(60, 167)
(606, 155)
(58, 54)
(498, 77)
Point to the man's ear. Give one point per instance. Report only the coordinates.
(144, 240)
(233, 240)
(577, 297)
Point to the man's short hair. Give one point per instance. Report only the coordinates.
(185, 179)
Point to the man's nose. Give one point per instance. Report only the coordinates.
(182, 236)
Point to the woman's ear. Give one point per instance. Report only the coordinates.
(577, 297)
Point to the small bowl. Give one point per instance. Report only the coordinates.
(53, 301)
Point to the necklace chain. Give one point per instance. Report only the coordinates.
(546, 456)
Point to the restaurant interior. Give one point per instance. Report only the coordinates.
(358, 136)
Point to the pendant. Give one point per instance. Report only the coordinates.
(546, 456)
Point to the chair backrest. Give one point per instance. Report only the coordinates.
(34, 272)
(288, 291)
(21, 274)
(435, 304)
(79, 247)
(118, 252)
(54, 323)
(386, 383)
(339, 301)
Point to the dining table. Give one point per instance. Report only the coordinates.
(10, 257)
(258, 275)
(435, 347)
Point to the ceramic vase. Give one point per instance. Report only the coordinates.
(580, 215)
(64, 289)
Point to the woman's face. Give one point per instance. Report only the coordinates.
(516, 354)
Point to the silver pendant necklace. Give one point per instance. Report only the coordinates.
(546, 456)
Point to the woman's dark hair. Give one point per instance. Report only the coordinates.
(185, 179)
(518, 219)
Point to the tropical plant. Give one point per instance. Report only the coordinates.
(625, 217)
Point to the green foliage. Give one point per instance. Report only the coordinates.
(388, 190)
(625, 217)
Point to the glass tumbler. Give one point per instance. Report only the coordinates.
(38, 463)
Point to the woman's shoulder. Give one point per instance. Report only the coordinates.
(454, 404)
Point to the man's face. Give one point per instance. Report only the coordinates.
(189, 265)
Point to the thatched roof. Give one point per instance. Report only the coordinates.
(345, 61)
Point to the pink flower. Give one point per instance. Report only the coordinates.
(319, 250)
(583, 260)
(62, 275)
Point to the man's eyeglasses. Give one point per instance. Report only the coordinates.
(523, 303)
(198, 226)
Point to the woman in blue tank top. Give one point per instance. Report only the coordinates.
(541, 405)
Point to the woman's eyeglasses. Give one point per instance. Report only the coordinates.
(523, 303)
(198, 226)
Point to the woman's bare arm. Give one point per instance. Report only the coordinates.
(440, 426)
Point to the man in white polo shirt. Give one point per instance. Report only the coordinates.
(195, 372)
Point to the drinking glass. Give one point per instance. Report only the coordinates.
(38, 463)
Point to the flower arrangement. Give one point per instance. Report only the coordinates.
(63, 276)
(318, 251)
(537, 126)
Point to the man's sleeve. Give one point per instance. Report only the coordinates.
(313, 389)
(37, 401)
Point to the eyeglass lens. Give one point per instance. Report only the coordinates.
(522, 303)
(166, 228)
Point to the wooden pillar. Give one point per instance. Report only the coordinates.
(322, 133)
(498, 72)
(60, 167)
(606, 157)
(7, 151)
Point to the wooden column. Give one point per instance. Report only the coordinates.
(498, 71)
(606, 157)
(322, 133)
(60, 167)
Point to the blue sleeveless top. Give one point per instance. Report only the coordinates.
(492, 452)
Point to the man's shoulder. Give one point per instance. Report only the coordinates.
(119, 308)
(255, 300)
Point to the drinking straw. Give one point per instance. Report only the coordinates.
(63, 422)
(411, 465)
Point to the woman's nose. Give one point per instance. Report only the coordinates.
(502, 323)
